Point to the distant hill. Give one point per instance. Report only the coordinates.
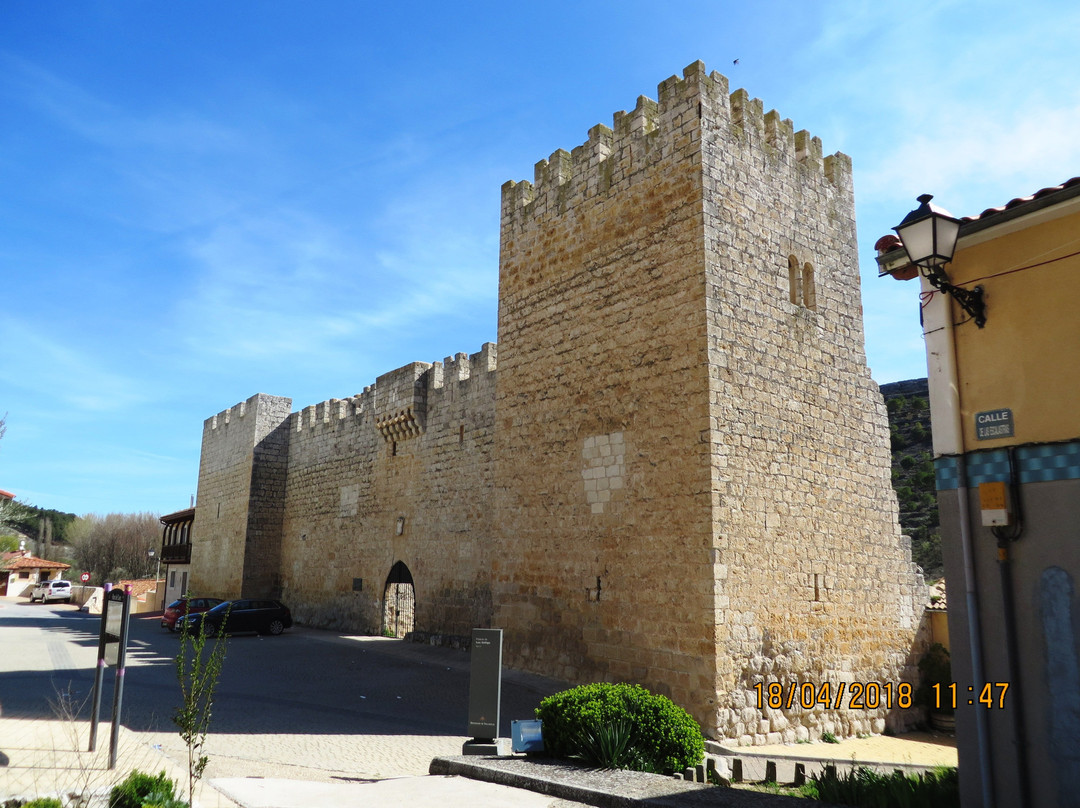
(913, 471)
(45, 530)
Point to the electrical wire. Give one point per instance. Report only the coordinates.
(1021, 269)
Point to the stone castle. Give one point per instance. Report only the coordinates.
(675, 472)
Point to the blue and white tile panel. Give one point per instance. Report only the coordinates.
(1038, 464)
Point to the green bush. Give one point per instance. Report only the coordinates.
(141, 789)
(620, 726)
(44, 802)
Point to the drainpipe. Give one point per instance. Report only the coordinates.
(949, 440)
(1008, 607)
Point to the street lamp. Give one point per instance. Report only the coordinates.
(157, 575)
(929, 235)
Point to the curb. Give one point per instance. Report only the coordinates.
(604, 788)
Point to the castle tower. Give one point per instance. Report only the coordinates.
(236, 547)
(692, 484)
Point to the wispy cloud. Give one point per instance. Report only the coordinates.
(108, 125)
(287, 284)
(64, 375)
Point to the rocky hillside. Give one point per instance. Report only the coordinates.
(913, 471)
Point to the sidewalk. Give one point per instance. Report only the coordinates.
(42, 758)
(48, 758)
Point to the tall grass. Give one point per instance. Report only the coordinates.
(867, 788)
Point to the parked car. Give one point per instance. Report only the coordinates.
(181, 606)
(51, 590)
(245, 614)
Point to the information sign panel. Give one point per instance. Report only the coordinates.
(485, 683)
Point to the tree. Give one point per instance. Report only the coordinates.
(116, 545)
(13, 517)
(198, 673)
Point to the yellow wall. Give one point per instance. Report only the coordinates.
(1032, 330)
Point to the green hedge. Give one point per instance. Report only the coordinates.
(620, 726)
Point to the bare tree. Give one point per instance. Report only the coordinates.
(116, 545)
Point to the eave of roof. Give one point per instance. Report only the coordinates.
(1021, 206)
(891, 256)
(186, 515)
(32, 563)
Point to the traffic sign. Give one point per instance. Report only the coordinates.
(84, 577)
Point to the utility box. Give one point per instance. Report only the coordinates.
(527, 736)
(994, 504)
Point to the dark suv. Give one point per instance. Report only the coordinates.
(246, 614)
(181, 606)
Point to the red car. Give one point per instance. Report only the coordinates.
(178, 608)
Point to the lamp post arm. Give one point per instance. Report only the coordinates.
(970, 300)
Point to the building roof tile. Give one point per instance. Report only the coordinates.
(21, 561)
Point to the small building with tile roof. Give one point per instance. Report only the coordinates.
(20, 571)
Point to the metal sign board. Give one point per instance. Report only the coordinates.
(994, 424)
(114, 625)
(485, 683)
(112, 642)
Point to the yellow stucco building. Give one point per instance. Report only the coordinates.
(1004, 403)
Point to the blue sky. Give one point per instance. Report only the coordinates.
(200, 201)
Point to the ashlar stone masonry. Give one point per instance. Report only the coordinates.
(678, 474)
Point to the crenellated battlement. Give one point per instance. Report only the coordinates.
(463, 366)
(331, 411)
(396, 404)
(690, 110)
(226, 416)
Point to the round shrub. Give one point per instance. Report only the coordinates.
(621, 726)
(141, 789)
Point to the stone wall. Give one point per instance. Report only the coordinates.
(681, 292)
(237, 530)
(338, 477)
(414, 449)
(679, 473)
(603, 482)
(814, 582)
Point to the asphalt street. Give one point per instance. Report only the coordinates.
(300, 685)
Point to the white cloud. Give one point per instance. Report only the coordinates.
(980, 147)
(64, 375)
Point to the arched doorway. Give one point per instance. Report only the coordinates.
(399, 602)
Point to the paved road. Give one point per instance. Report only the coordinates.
(308, 704)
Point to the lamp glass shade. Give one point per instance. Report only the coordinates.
(929, 234)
